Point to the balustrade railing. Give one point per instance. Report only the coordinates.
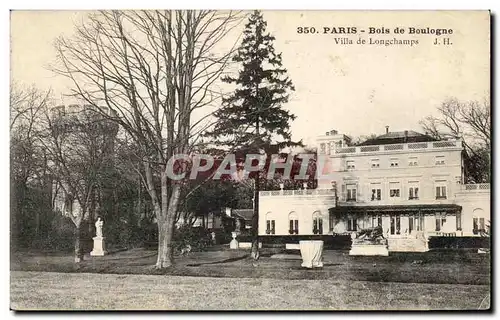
(319, 192)
(476, 186)
(400, 146)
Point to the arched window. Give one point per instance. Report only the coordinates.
(293, 220)
(317, 223)
(478, 223)
(270, 224)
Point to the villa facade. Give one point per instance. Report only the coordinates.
(406, 182)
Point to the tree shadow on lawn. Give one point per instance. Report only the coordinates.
(218, 262)
(429, 267)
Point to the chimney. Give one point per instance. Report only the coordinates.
(228, 212)
(386, 129)
(406, 136)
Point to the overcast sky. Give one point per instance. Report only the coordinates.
(355, 89)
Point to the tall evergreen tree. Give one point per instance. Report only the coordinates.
(252, 118)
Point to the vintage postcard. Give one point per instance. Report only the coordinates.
(250, 160)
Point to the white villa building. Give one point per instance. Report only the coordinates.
(406, 182)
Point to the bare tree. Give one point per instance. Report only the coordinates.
(155, 69)
(28, 161)
(78, 142)
(26, 106)
(470, 121)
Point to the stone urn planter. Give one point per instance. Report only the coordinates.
(312, 253)
(234, 243)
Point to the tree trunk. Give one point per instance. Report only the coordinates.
(166, 231)
(78, 245)
(165, 254)
(255, 217)
(255, 221)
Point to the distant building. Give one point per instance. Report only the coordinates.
(227, 218)
(244, 216)
(405, 181)
(70, 119)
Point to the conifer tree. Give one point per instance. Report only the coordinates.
(252, 118)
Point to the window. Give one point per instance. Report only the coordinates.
(413, 190)
(351, 192)
(394, 193)
(478, 225)
(413, 193)
(394, 162)
(375, 163)
(394, 189)
(458, 218)
(395, 224)
(440, 160)
(441, 192)
(376, 221)
(376, 193)
(440, 221)
(415, 223)
(270, 223)
(350, 165)
(294, 227)
(270, 226)
(413, 162)
(331, 222)
(294, 223)
(352, 224)
(317, 223)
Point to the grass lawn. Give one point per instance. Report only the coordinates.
(84, 291)
(445, 267)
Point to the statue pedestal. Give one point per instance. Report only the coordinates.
(408, 244)
(99, 248)
(363, 249)
(369, 242)
(234, 243)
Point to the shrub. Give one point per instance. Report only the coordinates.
(459, 242)
(222, 236)
(58, 237)
(197, 237)
(245, 236)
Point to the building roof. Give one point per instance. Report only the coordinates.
(246, 214)
(398, 137)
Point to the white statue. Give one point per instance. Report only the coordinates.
(98, 227)
(99, 246)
